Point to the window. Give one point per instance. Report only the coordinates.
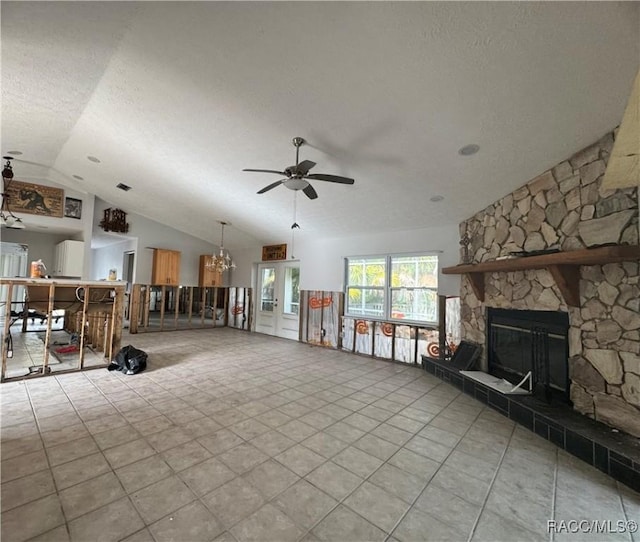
(402, 287)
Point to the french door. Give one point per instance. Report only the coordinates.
(278, 304)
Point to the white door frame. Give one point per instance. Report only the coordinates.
(279, 322)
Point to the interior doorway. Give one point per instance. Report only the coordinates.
(278, 303)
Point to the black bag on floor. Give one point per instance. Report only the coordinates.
(129, 360)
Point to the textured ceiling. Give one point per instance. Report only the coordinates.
(176, 98)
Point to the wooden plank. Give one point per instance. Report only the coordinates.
(477, 284)
(163, 298)
(373, 335)
(442, 325)
(587, 256)
(393, 342)
(203, 306)
(226, 306)
(322, 317)
(567, 278)
(301, 311)
(7, 329)
(147, 304)
(340, 313)
(134, 309)
(307, 316)
(250, 301)
(83, 327)
(176, 300)
(47, 337)
(115, 339)
(100, 325)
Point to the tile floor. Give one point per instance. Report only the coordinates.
(231, 436)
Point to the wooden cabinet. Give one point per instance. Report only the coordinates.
(166, 267)
(69, 259)
(207, 276)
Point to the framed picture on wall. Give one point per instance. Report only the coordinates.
(35, 199)
(73, 208)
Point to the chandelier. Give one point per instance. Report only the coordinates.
(222, 261)
(7, 218)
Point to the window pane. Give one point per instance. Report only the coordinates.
(414, 271)
(366, 272)
(418, 305)
(266, 293)
(365, 302)
(292, 290)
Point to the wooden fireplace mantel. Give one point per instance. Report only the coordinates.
(563, 266)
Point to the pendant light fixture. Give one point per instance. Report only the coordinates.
(7, 218)
(222, 261)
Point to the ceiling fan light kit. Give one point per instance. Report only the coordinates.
(297, 177)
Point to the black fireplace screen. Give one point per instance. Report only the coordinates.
(536, 341)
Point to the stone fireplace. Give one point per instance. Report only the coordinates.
(566, 208)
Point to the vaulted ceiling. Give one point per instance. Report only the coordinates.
(176, 98)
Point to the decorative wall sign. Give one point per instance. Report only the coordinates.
(35, 199)
(272, 253)
(72, 208)
(114, 220)
(319, 302)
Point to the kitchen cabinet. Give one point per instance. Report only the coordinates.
(69, 259)
(166, 267)
(207, 276)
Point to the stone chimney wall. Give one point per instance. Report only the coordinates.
(567, 208)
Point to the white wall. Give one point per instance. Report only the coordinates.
(243, 276)
(322, 261)
(110, 257)
(150, 235)
(42, 246)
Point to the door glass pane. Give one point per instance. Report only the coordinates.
(267, 289)
(292, 290)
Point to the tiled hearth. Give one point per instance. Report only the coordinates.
(611, 451)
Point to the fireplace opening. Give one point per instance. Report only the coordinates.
(520, 342)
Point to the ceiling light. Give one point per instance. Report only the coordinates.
(436, 199)
(468, 150)
(7, 218)
(222, 261)
(124, 187)
(78, 177)
(93, 159)
(14, 153)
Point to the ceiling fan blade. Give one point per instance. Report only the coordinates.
(310, 192)
(272, 185)
(305, 166)
(266, 171)
(330, 178)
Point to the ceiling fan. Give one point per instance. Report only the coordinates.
(298, 176)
